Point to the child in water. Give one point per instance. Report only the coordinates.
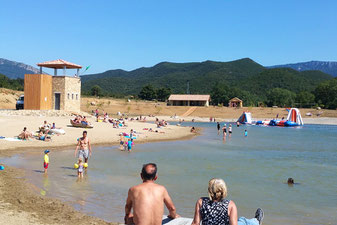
(46, 161)
(80, 168)
(129, 145)
(246, 133)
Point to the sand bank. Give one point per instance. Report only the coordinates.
(102, 133)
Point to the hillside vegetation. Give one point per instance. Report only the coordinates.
(243, 78)
(202, 77)
(14, 84)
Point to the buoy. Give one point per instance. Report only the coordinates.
(85, 165)
(2, 167)
(76, 166)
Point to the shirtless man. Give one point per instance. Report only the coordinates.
(147, 200)
(84, 146)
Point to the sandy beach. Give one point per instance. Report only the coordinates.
(102, 133)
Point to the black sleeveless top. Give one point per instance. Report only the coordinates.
(214, 213)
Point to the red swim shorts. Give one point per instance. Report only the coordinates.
(45, 165)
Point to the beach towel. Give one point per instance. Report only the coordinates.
(12, 139)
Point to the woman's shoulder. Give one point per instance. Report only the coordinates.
(203, 199)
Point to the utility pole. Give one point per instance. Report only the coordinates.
(188, 87)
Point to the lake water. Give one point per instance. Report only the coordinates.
(255, 169)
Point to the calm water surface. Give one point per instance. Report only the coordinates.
(255, 169)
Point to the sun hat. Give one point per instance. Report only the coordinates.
(46, 151)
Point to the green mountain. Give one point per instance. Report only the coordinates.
(202, 76)
(243, 74)
(285, 78)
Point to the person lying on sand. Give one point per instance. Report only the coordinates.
(45, 127)
(77, 119)
(85, 121)
(25, 135)
(215, 209)
(43, 137)
(147, 200)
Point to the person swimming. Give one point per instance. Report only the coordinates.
(291, 182)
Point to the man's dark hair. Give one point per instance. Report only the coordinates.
(149, 175)
(85, 132)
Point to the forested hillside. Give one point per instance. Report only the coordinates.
(242, 78)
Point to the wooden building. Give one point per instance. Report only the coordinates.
(235, 102)
(189, 100)
(38, 91)
(46, 92)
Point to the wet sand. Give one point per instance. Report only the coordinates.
(20, 205)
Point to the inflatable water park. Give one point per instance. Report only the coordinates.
(294, 119)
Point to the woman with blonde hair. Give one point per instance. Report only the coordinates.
(217, 210)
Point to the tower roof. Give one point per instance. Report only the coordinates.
(59, 64)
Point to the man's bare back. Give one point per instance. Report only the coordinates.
(147, 201)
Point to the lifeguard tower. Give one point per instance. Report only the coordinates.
(47, 92)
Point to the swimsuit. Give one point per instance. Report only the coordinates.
(214, 212)
(80, 169)
(83, 153)
(46, 161)
(129, 145)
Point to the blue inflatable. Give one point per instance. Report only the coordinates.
(290, 124)
(273, 123)
(2, 167)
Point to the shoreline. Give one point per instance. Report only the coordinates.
(20, 204)
(32, 207)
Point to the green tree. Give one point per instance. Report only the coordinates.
(163, 94)
(14, 84)
(305, 99)
(96, 90)
(280, 97)
(326, 93)
(147, 93)
(220, 94)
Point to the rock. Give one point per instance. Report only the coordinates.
(318, 108)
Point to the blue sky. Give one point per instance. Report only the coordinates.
(130, 34)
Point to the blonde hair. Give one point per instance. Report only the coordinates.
(217, 189)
